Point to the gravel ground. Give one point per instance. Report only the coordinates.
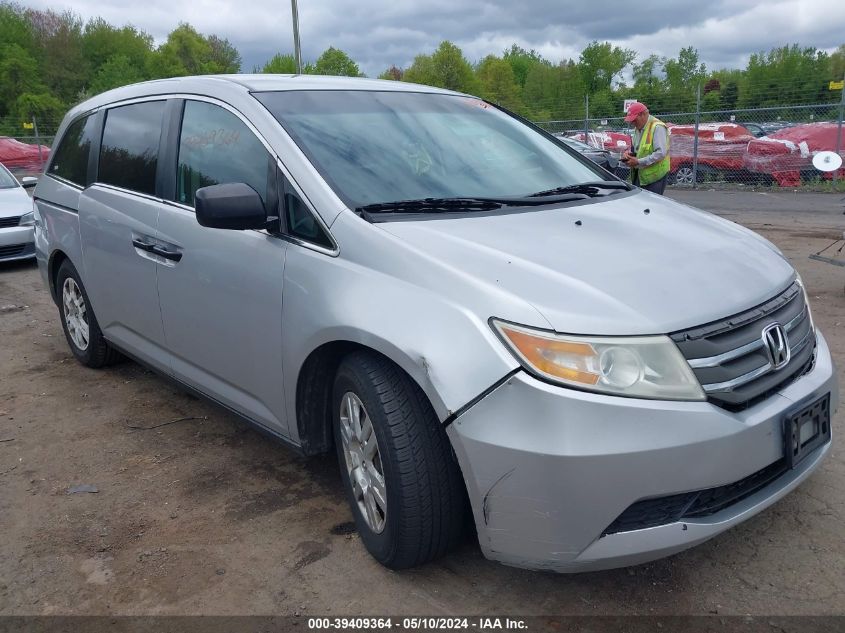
(205, 516)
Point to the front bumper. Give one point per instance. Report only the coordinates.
(16, 243)
(548, 469)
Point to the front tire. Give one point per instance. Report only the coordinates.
(82, 331)
(402, 481)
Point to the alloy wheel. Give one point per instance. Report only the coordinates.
(683, 176)
(76, 314)
(363, 461)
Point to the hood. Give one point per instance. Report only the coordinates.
(621, 271)
(14, 201)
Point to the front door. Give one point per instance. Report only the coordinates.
(221, 290)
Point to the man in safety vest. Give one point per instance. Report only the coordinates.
(649, 160)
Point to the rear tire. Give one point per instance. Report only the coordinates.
(82, 331)
(411, 464)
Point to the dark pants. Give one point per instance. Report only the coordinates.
(658, 186)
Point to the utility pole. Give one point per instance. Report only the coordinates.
(38, 140)
(839, 128)
(695, 136)
(296, 50)
(587, 119)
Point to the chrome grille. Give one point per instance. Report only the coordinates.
(5, 223)
(729, 357)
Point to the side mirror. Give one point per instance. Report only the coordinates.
(28, 181)
(233, 205)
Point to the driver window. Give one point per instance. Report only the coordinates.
(216, 147)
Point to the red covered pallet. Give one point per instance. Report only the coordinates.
(788, 152)
(17, 155)
(721, 146)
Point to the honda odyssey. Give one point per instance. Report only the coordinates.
(473, 316)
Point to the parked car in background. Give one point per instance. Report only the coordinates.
(764, 129)
(601, 157)
(16, 217)
(475, 318)
(755, 129)
(617, 142)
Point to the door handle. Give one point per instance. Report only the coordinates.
(173, 256)
(144, 246)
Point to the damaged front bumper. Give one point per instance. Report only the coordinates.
(549, 470)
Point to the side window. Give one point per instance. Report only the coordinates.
(71, 158)
(302, 223)
(129, 150)
(216, 147)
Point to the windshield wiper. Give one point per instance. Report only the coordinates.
(587, 188)
(453, 205)
(431, 205)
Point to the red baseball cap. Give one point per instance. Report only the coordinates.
(634, 110)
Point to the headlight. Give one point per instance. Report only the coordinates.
(27, 219)
(806, 299)
(634, 366)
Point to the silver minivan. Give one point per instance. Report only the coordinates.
(478, 320)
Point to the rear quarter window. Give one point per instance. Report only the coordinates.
(70, 161)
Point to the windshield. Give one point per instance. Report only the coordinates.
(7, 180)
(375, 147)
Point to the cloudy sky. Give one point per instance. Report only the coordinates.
(378, 33)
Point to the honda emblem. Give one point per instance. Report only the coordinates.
(776, 343)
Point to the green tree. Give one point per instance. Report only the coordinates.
(392, 74)
(788, 74)
(101, 42)
(64, 66)
(421, 71)
(600, 63)
(685, 71)
(522, 61)
(554, 92)
(728, 87)
(225, 56)
(15, 28)
(115, 72)
(281, 64)
(445, 68)
(335, 62)
(41, 105)
(837, 64)
(729, 95)
(18, 73)
(683, 76)
(498, 83)
(649, 87)
(187, 52)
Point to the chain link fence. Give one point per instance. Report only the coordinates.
(762, 147)
(25, 145)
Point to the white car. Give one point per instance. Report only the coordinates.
(16, 217)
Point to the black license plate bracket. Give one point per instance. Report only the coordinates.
(805, 429)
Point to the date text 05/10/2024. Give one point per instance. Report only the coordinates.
(418, 623)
